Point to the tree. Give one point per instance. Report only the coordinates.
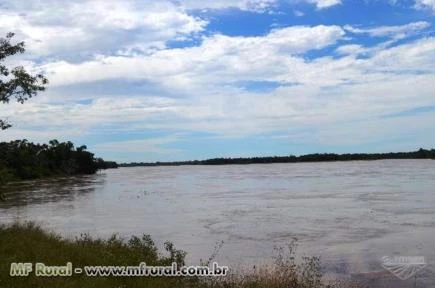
(16, 82)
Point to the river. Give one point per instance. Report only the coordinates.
(348, 213)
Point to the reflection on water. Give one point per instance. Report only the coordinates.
(34, 192)
(349, 213)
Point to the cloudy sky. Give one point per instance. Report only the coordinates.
(178, 80)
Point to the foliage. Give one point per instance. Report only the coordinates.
(21, 159)
(420, 154)
(287, 271)
(16, 82)
(106, 164)
(29, 243)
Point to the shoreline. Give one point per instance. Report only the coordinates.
(420, 154)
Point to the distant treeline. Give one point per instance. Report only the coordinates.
(21, 160)
(420, 154)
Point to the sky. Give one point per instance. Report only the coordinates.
(174, 80)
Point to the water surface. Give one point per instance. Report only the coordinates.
(349, 213)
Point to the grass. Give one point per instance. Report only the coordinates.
(29, 243)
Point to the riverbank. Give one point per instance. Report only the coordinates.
(317, 157)
(24, 160)
(28, 243)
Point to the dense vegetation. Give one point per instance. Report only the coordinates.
(21, 159)
(420, 154)
(30, 244)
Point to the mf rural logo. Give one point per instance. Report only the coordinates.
(403, 267)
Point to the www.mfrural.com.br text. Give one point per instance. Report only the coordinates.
(142, 270)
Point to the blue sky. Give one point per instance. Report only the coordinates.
(179, 80)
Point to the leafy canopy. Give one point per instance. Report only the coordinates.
(16, 82)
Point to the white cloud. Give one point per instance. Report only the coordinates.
(298, 13)
(351, 49)
(322, 4)
(396, 32)
(328, 90)
(421, 4)
(250, 5)
(218, 54)
(82, 29)
(151, 145)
